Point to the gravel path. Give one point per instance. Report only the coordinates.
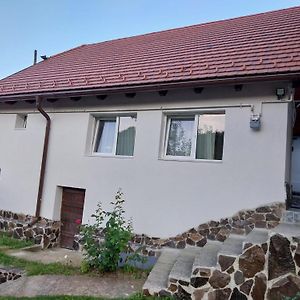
(111, 286)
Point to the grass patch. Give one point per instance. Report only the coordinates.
(135, 272)
(9, 242)
(36, 268)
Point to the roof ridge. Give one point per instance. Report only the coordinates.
(193, 25)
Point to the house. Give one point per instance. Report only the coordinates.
(193, 124)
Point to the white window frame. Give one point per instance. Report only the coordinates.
(180, 115)
(21, 121)
(100, 118)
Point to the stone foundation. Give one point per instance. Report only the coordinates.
(44, 232)
(7, 274)
(243, 222)
(267, 271)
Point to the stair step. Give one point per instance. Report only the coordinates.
(207, 258)
(291, 216)
(158, 277)
(256, 236)
(233, 245)
(287, 229)
(182, 268)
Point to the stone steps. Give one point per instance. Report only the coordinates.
(287, 229)
(210, 268)
(158, 278)
(233, 245)
(291, 216)
(257, 236)
(183, 267)
(207, 258)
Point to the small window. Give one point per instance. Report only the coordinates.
(115, 136)
(199, 136)
(21, 121)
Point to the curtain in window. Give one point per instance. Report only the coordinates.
(210, 137)
(205, 145)
(126, 136)
(106, 136)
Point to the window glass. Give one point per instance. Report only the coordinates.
(180, 136)
(126, 136)
(210, 136)
(106, 136)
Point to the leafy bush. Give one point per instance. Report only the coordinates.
(115, 232)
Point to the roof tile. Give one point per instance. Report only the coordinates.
(266, 43)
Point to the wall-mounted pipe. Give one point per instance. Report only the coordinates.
(44, 156)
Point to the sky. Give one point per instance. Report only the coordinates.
(53, 26)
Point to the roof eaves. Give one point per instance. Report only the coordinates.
(153, 86)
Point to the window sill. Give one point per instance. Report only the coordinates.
(213, 161)
(110, 156)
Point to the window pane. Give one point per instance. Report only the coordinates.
(210, 136)
(126, 136)
(105, 136)
(180, 136)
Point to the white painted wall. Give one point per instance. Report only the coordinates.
(164, 197)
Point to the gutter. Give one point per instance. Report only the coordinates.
(92, 91)
(38, 100)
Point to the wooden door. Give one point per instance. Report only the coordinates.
(71, 215)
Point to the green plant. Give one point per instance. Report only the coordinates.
(115, 231)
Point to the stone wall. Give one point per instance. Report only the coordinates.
(44, 232)
(7, 274)
(268, 271)
(243, 222)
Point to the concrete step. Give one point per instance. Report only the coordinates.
(182, 269)
(207, 258)
(291, 216)
(257, 236)
(233, 245)
(159, 276)
(33, 248)
(287, 229)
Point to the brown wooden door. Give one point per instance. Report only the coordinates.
(71, 215)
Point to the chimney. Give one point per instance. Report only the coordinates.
(35, 57)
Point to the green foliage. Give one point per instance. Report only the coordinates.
(296, 297)
(117, 232)
(9, 242)
(36, 268)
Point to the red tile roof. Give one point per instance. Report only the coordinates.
(267, 43)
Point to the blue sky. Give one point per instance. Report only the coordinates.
(57, 25)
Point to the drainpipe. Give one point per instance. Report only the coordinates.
(44, 157)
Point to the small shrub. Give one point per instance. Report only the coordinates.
(104, 254)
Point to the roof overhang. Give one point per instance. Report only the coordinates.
(151, 87)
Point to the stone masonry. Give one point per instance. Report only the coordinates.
(44, 232)
(243, 222)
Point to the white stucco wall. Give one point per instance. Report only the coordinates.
(164, 197)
